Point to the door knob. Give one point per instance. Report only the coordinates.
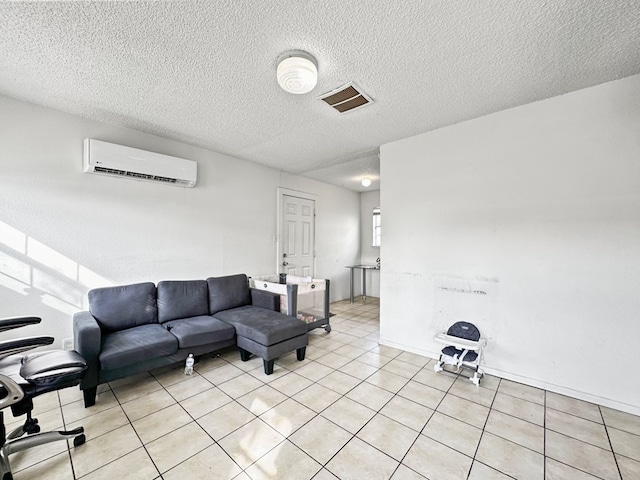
(284, 264)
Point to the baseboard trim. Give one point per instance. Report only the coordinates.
(587, 397)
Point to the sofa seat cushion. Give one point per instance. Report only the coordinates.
(200, 330)
(261, 325)
(136, 345)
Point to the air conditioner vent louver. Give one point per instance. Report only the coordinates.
(346, 98)
(111, 171)
(109, 159)
(143, 176)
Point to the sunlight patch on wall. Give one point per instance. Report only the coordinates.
(13, 238)
(15, 269)
(29, 267)
(50, 258)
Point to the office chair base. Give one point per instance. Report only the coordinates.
(20, 444)
(30, 427)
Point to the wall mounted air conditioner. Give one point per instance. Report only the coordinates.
(109, 159)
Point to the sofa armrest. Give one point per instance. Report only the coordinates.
(87, 341)
(265, 299)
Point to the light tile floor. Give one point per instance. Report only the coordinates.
(352, 409)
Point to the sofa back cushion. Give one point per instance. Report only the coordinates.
(228, 292)
(124, 306)
(182, 299)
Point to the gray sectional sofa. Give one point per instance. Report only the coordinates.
(135, 328)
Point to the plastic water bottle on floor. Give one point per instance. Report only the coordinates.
(188, 366)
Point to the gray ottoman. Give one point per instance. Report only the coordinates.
(266, 333)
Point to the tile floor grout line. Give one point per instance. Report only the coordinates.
(244, 470)
(367, 422)
(354, 326)
(64, 426)
(64, 423)
(473, 459)
(353, 435)
(611, 427)
(544, 438)
(520, 398)
(606, 429)
(134, 429)
(573, 414)
(119, 404)
(286, 438)
(345, 395)
(177, 402)
(433, 412)
(577, 468)
(475, 453)
(586, 442)
(516, 417)
(581, 441)
(200, 426)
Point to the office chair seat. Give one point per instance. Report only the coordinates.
(22, 378)
(43, 372)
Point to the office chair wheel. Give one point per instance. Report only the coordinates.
(327, 328)
(7, 476)
(79, 440)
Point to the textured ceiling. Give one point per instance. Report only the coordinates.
(204, 72)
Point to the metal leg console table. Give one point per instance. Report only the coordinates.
(364, 269)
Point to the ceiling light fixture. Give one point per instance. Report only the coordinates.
(366, 182)
(297, 72)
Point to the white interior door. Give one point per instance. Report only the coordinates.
(297, 245)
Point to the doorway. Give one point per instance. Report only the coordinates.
(296, 243)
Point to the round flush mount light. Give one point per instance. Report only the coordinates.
(297, 72)
(366, 182)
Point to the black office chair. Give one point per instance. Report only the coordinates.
(23, 377)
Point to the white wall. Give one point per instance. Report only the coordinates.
(63, 232)
(368, 253)
(536, 210)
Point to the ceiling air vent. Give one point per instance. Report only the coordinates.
(346, 98)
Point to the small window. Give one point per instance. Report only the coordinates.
(376, 227)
